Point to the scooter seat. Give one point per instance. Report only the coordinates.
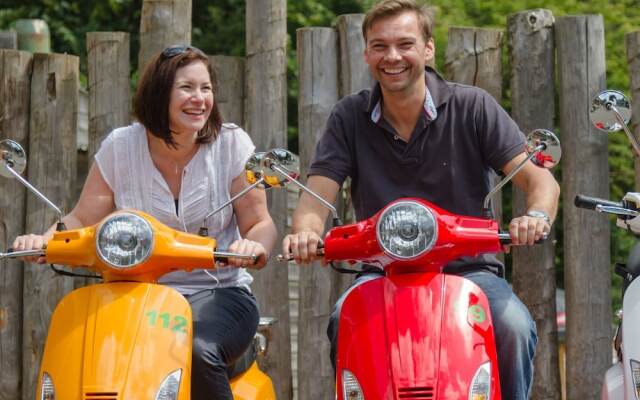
(243, 363)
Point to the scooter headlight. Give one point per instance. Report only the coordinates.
(351, 386)
(47, 390)
(635, 374)
(481, 383)
(124, 240)
(170, 386)
(406, 230)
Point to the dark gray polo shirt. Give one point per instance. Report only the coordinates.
(448, 161)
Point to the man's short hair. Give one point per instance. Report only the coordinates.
(151, 101)
(389, 8)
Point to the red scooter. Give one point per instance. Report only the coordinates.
(417, 332)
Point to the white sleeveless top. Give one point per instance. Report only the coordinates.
(125, 164)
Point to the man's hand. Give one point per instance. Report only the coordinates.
(249, 248)
(302, 246)
(527, 230)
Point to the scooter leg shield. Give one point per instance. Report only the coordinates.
(118, 341)
(416, 335)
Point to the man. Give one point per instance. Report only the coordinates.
(416, 135)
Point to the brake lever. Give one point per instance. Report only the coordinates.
(617, 210)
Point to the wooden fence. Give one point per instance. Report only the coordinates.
(38, 107)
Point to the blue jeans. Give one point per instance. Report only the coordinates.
(515, 331)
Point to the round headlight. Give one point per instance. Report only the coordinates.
(406, 230)
(124, 240)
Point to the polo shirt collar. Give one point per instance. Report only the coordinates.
(438, 93)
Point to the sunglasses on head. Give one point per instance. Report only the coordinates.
(173, 51)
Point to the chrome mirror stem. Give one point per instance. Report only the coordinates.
(234, 198)
(627, 131)
(486, 209)
(334, 212)
(35, 191)
(203, 230)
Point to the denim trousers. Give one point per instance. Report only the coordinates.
(515, 331)
(224, 323)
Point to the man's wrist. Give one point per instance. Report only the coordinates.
(539, 214)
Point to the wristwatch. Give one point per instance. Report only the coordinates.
(539, 214)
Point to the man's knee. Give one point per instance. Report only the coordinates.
(516, 325)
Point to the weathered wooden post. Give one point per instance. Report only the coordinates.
(632, 41)
(318, 82)
(52, 169)
(15, 86)
(109, 85)
(8, 40)
(473, 57)
(163, 23)
(531, 55)
(581, 71)
(230, 91)
(266, 120)
(354, 73)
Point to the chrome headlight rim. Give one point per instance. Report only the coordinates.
(388, 210)
(135, 216)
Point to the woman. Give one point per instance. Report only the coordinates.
(177, 163)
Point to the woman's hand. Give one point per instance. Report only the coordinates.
(249, 248)
(30, 242)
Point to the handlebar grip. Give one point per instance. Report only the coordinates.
(289, 257)
(590, 203)
(505, 239)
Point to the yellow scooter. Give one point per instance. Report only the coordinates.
(128, 337)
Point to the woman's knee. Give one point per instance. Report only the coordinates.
(207, 355)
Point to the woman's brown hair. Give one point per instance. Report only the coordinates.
(151, 101)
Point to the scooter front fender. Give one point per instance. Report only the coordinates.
(118, 341)
(418, 336)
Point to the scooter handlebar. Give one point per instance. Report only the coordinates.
(505, 239)
(224, 256)
(591, 203)
(289, 257)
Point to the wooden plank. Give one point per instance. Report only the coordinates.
(582, 75)
(266, 122)
(354, 73)
(52, 169)
(163, 23)
(474, 57)
(230, 92)
(108, 85)
(15, 83)
(318, 82)
(354, 77)
(8, 40)
(531, 55)
(632, 41)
